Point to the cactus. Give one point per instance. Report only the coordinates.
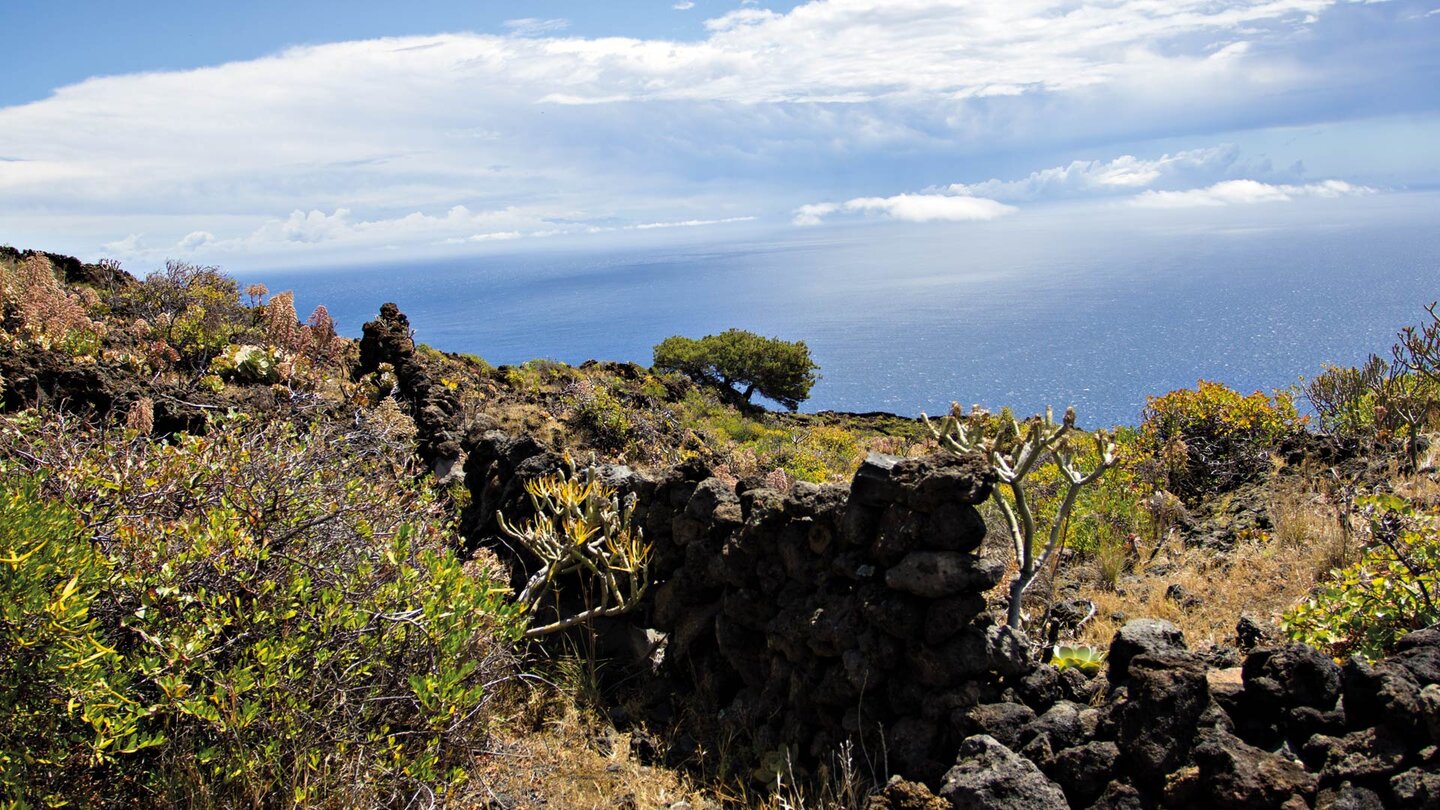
(582, 527)
(1014, 450)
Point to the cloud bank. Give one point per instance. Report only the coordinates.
(428, 140)
(1181, 180)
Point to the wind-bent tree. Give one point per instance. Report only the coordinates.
(744, 363)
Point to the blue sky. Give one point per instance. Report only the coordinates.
(291, 133)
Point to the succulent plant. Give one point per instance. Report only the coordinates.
(1083, 657)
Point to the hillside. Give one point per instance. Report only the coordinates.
(247, 560)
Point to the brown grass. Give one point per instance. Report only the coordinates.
(1263, 576)
(573, 761)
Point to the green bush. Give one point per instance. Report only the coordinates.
(1213, 437)
(275, 616)
(197, 311)
(1378, 400)
(601, 415)
(1367, 607)
(65, 696)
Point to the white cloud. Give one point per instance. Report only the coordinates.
(689, 223)
(534, 128)
(909, 208)
(683, 5)
(814, 213)
(931, 207)
(1246, 192)
(196, 240)
(129, 246)
(1121, 175)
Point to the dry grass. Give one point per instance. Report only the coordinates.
(1205, 592)
(574, 761)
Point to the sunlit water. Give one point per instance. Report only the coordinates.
(1023, 312)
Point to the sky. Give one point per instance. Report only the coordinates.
(287, 134)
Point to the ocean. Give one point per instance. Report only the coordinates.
(1075, 307)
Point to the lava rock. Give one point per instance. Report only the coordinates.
(1349, 797)
(1001, 721)
(1419, 653)
(1084, 771)
(1416, 788)
(1289, 676)
(1061, 725)
(1236, 775)
(989, 775)
(900, 794)
(936, 574)
(1141, 637)
(1385, 692)
(1168, 693)
(1361, 755)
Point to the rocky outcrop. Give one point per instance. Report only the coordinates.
(434, 407)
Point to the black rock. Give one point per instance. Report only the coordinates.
(937, 574)
(1417, 789)
(1386, 693)
(1235, 775)
(1141, 637)
(1349, 797)
(1289, 676)
(1002, 721)
(1168, 693)
(989, 775)
(1084, 771)
(1368, 754)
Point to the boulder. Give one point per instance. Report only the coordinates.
(1141, 637)
(1384, 692)
(937, 574)
(943, 478)
(1061, 725)
(1001, 721)
(1289, 676)
(1084, 771)
(1168, 693)
(1008, 651)
(1235, 775)
(874, 483)
(989, 775)
(1419, 652)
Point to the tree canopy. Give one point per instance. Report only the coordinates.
(743, 362)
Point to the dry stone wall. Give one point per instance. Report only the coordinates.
(828, 614)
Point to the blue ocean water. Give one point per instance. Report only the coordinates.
(1096, 312)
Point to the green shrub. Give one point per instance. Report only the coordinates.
(1108, 511)
(1367, 607)
(197, 311)
(282, 607)
(1213, 437)
(601, 415)
(819, 454)
(66, 701)
(1378, 400)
